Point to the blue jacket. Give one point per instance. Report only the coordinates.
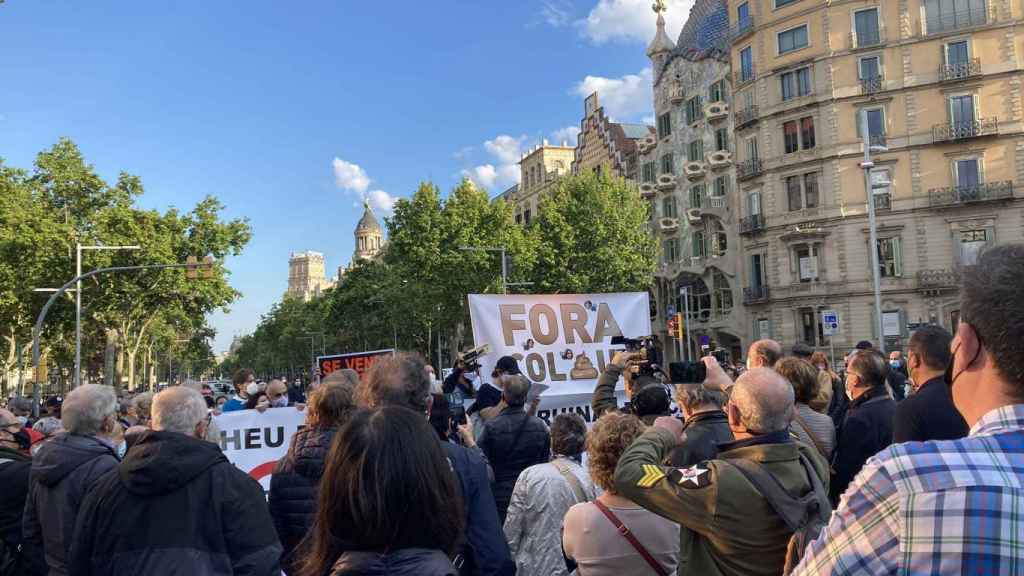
(233, 404)
(486, 550)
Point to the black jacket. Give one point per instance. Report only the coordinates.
(63, 472)
(512, 442)
(704, 432)
(407, 562)
(486, 551)
(898, 382)
(866, 429)
(14, 473)
(294, 487)
(175, 506)
(929, 414)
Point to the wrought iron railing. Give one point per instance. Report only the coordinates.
(752, 294)
(749, 168)
(960, 70)
(965, 129)
(746, 116)
(751, 224)
(983, 192)
(871, 85)
(744, 75)
(939, 278)
(741, 28)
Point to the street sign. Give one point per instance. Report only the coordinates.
(830, 322)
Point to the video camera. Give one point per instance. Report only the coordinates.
(646, 347)
(469, 360)
(687, 372)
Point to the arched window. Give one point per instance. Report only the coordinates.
(698, 297)
(723, 294)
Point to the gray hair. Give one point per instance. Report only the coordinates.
(178, 409)
(86, 406)
(764, 400)
(693, 396)
(515, 388)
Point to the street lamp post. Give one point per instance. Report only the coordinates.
(78, 301)
(504, 264)
(869, 187)
(37, 331)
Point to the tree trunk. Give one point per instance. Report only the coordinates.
(110, 358)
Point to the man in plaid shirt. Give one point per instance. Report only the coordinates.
(955, 506)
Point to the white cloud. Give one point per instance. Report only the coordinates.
(381, 200)
(349, 176)
(632, 20)
(484, 175)
(567, 134)
(556, 13)
(463, 152)
(624, 98)
(502, 170)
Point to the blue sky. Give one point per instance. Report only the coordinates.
(291, 112)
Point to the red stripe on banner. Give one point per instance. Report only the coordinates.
(262, 470)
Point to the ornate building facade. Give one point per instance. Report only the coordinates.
(307, 278)
(606, 145)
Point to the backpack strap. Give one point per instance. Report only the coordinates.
(794, 511)
(655, 565)
(571, 478)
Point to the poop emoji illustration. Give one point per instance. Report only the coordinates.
(583, 369)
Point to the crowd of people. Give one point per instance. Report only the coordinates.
(910, 463)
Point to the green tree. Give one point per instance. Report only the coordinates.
(590, 235)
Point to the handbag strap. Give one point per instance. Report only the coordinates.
(658, 568)
(571, 478)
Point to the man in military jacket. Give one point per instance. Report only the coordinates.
(737, 530)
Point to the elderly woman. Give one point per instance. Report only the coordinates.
(294, 484)
(590, 538)
(809, 426)
(543, 494)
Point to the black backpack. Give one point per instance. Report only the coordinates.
(805, 516)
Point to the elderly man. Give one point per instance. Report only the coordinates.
(868, 424)
(64, 470)
(175, 505)
(763, 354)
(14, 472)
(949, 506)
(735, 527)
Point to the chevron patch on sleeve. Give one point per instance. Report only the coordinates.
(652, 474)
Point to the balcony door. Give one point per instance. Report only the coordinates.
(866, 27)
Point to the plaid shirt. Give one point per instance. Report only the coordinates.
(949, 507)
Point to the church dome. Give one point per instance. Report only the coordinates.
(368, 222)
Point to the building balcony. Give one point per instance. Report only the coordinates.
(752, 224)
(676, 94)
(746, 116)
(970, 18)
(867, 38)
(960, 70)
(939, 279)
(755, 294)
(883, 201)
(741, 28)
(963, 130)
(749, 169)
(717, 202)
(741, 76)
(958, 195)
(871, 85)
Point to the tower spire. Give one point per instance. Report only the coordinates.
(661, 42)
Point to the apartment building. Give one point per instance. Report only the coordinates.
(936, 86)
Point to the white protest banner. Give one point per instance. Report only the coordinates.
(561, 340)
(255, 441)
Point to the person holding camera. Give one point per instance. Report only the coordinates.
(646, 396)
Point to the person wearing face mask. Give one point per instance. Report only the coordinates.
(277, 394)
(949, 506)
(64, 470)
(15, 464)
(172, 477)
(929, 413)
(243, 381)
(867, 426)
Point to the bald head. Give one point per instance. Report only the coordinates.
(762, 401)
(763, 354)
(180, 409)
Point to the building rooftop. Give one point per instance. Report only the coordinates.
(635, 131)
(368, 221)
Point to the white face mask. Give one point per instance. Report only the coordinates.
(252, 389)
(279, 402)
(122, 449)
